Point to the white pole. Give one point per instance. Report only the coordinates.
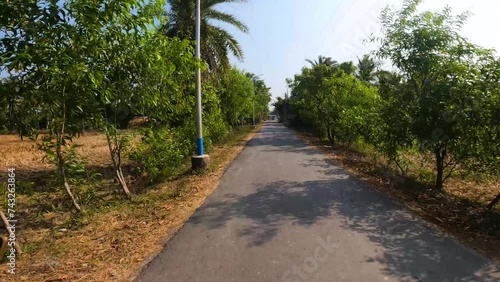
(198, 82)
(253, 110)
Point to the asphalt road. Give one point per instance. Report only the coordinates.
(283, 212)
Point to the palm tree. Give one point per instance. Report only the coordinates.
(216, 42)
(348, 67)
(322, 60)
(367, 68)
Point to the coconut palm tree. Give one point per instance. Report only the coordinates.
(216, 42)
(322, 60)
(348, 67)
(367, 69)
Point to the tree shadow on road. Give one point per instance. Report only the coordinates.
(412, 250)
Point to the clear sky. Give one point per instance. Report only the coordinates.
(283, 33)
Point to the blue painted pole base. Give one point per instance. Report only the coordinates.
(199, 150)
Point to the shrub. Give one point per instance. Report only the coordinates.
(160, 154)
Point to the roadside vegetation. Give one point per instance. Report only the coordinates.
(430, 124)
(97, 103)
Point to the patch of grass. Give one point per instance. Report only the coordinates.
(33, 247)
(425, 175)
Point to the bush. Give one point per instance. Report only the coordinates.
(161, 153)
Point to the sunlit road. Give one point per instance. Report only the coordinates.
(283, 212)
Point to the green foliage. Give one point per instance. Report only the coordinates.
(216, 42)
(261, 98)
(214, 125)
(74, 166)
(367, 68)
(322, 60)
(444, 85)
(160, 153)
(85, 64)
(348, 67)
(442, 100)
(334, 102)
(236, 96)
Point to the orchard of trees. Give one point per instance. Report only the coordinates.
(441, 98)
(77, 65)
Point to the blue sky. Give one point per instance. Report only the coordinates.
(283, 33)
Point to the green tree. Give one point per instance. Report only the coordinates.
(7, 104)
(394, 120)
(367, 68)
(322, 60)
(41, 47)
(134, 67)
(348, 67)
(333, 101)
(80, 72)
(279, 106)
(236, 96)
(441, 70)
(262, 96)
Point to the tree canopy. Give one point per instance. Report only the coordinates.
(441, 98)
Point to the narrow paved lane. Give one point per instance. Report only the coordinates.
(283, 212)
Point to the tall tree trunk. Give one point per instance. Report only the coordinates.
(120, 171)
(115, 154)
(60, 158)
(494, 202)
(331, 135)
(62, 171)
(440, 154)
(68, 191)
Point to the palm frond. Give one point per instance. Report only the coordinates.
(226, 18)
(217, 43)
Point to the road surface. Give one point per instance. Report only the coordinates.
(284, 212)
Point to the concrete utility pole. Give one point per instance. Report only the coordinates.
(200, 161)
(285, 106)
(253, 110)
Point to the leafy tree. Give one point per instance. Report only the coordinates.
(348, 67)
(217, 43)
(333, 101)
(78, 72)
(394, 121)
(262, 96)
(43, 50)
(441, 71)
(7, 104)
(236, 97)
(124, 52)
(279, 106)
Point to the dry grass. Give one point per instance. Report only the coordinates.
(460, 209)
(27, 160)
(114, 241)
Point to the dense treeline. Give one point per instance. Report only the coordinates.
(80, 65)
(441, 98)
